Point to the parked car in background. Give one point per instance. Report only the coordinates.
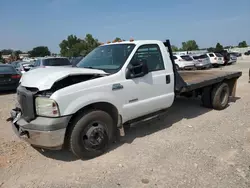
(216, 59)
(202, 61)
(14, 63)
(225, 55)
(237, 54)
(184, 62)
(47, 62)
(9, 77)
(247, 53)
(23, 66)
(232, 59)
(75, 60)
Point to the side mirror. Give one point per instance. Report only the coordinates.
(136, 69)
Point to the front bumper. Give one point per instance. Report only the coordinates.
(189, 67)
(41, 132)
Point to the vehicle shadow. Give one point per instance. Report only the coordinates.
(60, 155)
(182, 108)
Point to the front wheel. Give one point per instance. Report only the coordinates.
(91, 134)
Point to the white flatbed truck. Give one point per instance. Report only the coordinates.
(116, 84)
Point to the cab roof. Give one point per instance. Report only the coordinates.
(136, 42)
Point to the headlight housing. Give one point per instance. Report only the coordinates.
(46, 107)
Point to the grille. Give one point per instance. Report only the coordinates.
(26, 101)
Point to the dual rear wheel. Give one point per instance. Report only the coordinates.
(216, 97)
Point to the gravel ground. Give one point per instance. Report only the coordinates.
(189, 147)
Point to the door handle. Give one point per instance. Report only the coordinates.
(168, 79)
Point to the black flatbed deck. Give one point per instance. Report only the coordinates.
(192, 80)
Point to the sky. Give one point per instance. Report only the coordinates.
(29, 23)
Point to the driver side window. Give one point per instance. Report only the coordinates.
(152, 55)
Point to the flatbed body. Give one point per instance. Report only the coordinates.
(193, 80)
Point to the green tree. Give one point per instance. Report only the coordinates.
(242, 44)
(74, 46)
(14, 56)
(39, 51)
(218, 47)
(117, 39)
(18, 52)
(190, 45)
(71, 46)
(6, 51)
(211, 49)
(174, 48)
(90, 44)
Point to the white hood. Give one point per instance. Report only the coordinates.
(44, 78)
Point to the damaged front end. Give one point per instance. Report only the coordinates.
(67, 81)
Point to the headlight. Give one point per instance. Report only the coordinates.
(46, 107)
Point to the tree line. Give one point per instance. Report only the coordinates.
(74, 46)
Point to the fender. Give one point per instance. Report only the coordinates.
(88, 99)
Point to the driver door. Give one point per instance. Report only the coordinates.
(151, 92)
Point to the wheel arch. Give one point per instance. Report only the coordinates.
(104, 106)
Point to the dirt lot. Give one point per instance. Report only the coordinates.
(190, 147)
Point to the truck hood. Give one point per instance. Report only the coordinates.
(44, 78)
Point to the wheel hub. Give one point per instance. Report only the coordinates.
(96, 137)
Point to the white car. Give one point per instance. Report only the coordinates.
(216, 59)
(201, 61)
(184, 62)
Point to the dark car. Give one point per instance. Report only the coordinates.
(75, 60)
(225, 55)
(247, 53)
(236, 54)
(14, 63)
(9, 78)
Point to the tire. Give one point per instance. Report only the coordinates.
(206, 97)
(220, 96)
(91, 134)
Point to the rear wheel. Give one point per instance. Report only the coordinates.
(91, 134)
(216, 97)
(220, 96)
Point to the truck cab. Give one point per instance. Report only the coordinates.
(82, 107)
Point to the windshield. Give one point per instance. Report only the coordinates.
(196, 57)
(204, 56)
(56, 62)
(109, 58)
